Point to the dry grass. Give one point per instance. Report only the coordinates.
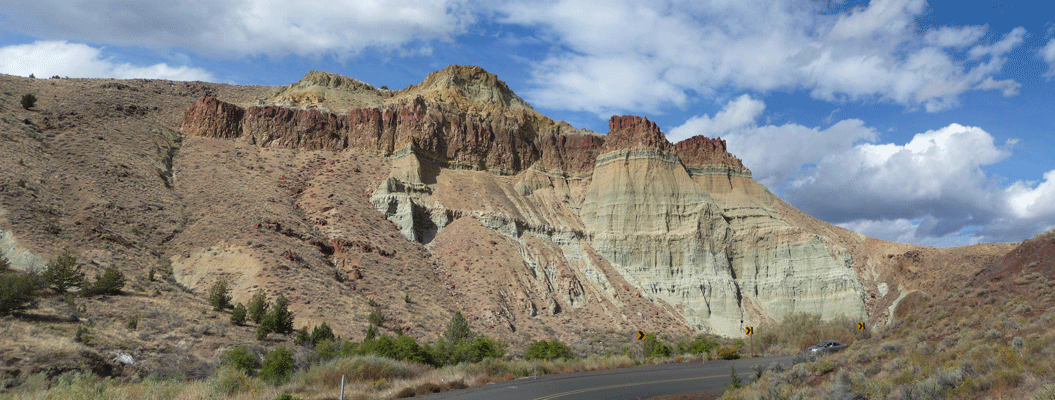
(974, 343)
(365, 377)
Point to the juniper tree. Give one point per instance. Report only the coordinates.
(63, 273)
(257, 306)
(220, 295)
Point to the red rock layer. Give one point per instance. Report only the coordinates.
(699, 150)
(446, 134)
(631, 132)
(213, 118)
(572, 154)
(437, 131)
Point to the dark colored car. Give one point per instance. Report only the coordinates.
(826, 347)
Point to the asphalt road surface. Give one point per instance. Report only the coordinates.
(624, 383)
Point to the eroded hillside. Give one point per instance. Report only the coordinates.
(453, 194)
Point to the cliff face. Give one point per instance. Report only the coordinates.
(681, 225)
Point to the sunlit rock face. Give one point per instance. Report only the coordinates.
(626, 227)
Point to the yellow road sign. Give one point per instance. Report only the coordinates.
(861, 326)
(640, 335)
(749, 330)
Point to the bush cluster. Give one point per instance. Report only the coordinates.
(551, 350)
(220, 295)
(278, 320)
(110, 282)
(653, 347)
(728, 353)
(257, 306)
(17, 291)
(29, 101)
(702, 345)
(457, 345)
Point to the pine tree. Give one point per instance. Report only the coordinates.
(63, 273)
(457, 329)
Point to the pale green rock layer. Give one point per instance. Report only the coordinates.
(723, 262)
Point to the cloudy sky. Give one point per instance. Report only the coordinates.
(914, 121)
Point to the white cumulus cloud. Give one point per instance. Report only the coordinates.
(741, 112)
(932, 190)
(49, 58)
(1047, 53)
(234, 28)
(876, 52)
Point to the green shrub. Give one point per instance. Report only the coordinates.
(734, 379)
(63, 273)
(371, 333)
(278, 320)
(825, 367)
(17, 292)
(479, 349)
(653, 347)
(552, 350)
(1018, 342)
(728, 353)
(257, 306)
(376, 317)
(228, 382)
(109, 282)
(240, 358)
(406, 348)
(457, 329)
(702, 345)
(277, 366)
(82, 335)
(282, 316)
(220, 295)
(266, 326)
(302, 337)
(5, 266)
(327, 350)
(321, 333)
(132, 323)
(29, 101)
(238, 315)
(286, 396)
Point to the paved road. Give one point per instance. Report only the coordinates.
(625, 383)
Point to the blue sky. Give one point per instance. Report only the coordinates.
(914, 121)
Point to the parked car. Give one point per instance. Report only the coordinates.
(826, 347)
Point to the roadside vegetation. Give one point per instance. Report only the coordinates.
(968, 343)
(308, 362)
(971, 343)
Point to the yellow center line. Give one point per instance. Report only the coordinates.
(553, 396)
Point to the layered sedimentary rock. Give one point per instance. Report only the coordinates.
(658, 228)
(683, 225)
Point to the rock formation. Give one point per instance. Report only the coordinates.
(684, 224)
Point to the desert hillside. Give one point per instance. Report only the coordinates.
(450, 195)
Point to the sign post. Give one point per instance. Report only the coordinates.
(750, 331)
